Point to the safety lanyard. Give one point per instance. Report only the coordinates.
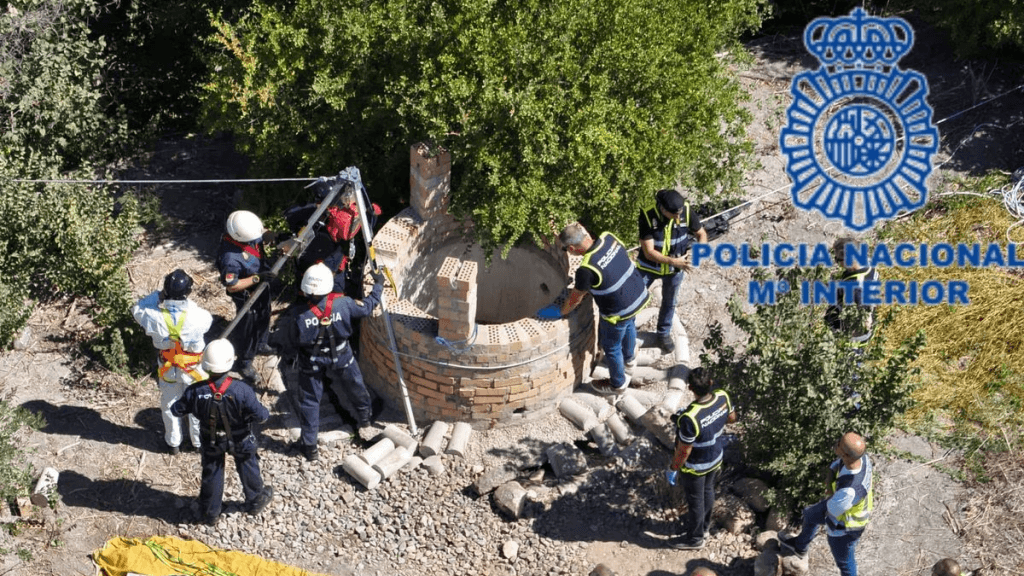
(324, 316)
(251, 250)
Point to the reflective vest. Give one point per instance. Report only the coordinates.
(856, 518)
(670, 239)
(619, 291)
(708, 421)
(177, 357)
(861, 335)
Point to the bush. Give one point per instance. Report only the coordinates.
(72, 239)
(792, 385)
(553, 111)
(15, 476)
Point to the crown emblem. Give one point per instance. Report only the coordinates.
(858, 40)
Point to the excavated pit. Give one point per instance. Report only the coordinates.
(468, 339)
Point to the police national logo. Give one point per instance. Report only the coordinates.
(859, 137)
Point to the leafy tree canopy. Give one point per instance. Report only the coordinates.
(553, 111)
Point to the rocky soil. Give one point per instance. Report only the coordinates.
(104, 436)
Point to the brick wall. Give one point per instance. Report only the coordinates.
(485, 374)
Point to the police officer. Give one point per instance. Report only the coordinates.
(334, 241)
(666, 233)
(698, 455)
(608, 274)
(227, 408)
(318, 331)
(178, 327)
(851, 291)
(242, 265)
(846, 512)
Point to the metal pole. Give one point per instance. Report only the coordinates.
(302, 240)
(392, 345)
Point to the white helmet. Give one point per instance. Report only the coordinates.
(244, 226)
(219, 356)
(317, 281)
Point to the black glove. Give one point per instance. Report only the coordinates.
(378, 277)
(268, 275)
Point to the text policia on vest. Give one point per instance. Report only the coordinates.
(785, 255)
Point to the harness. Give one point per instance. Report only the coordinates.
(218, 410)
(177, 357)
(324, 316)
(250, 250)
(664, 242)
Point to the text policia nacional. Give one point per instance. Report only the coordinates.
(859, 256)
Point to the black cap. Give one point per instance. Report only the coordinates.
(177, 286)
(671, 200)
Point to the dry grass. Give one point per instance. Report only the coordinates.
(974, 359)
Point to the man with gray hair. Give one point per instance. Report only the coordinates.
(608, 274)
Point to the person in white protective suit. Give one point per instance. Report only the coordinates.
(178, 327)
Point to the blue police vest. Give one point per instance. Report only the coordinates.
(708, 422)
(670, 239)
(619, 291)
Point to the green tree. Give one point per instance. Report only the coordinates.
(58, 122)
(793, 383)
(552, 110)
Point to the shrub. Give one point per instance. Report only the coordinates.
(15, 476)
(553, 111)
(792, 384)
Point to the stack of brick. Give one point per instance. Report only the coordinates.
(456, 300)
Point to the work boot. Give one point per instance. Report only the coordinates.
(786, 543)
(173, 450)
(686, 543)
(310, 453)
(666, 343)
(261, 501)
(604, 387)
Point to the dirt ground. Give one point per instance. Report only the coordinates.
(104, 434)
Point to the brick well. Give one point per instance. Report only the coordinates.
(470, 344)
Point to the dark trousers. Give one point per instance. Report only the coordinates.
(253, 329)
(247, 464)
(700, 501)
(311, 390)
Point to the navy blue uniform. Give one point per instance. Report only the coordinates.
(235, 263)
(323, 350)
(321, 248)
(241, 409)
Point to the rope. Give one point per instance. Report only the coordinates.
(225, 181)
(457, 346)
(950, 117)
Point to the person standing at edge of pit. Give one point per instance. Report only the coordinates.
(318, 330)
(698, 455)
(227, 409)
(608, 274)
(861, 332)
(242, 265)
(335, 237)
(666, 233)
(846, 512)
(178, 328)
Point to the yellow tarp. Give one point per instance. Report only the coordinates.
(167, 556)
